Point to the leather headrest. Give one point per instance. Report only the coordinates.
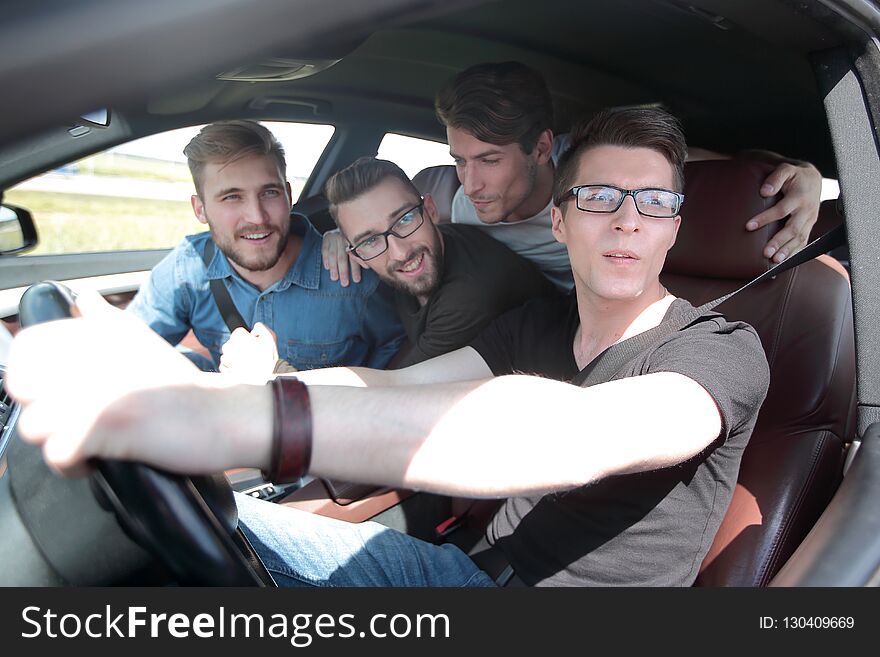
(720, 196)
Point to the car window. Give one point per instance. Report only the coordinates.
(413, 154)
(137, 195)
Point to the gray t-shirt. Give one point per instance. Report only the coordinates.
(645, 529)
(531, 238)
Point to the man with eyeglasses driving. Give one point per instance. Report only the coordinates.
(623, 482)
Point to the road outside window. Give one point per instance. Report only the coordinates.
(137, 195)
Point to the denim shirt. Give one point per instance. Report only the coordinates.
(318, 322)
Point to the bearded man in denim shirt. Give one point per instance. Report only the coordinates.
(269, 262)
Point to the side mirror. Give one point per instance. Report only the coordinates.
(17, 231)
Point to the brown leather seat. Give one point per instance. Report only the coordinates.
(793, 462)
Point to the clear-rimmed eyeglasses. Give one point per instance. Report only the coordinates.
(650, 202)
(375, 245)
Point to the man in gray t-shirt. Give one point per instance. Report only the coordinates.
(530, 236)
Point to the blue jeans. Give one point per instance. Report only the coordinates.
(304, 549)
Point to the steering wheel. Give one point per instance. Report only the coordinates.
(188, 524)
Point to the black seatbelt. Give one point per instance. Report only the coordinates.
(607, 364)
(227, 308)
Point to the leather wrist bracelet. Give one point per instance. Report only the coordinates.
(291, 432)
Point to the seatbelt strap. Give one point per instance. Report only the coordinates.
(611, 361)
(227, 308)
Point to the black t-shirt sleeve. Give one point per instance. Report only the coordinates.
(450, 327)
(727, 359)
(497, 343)
(447, 328)
(535, 338)
(482, 280)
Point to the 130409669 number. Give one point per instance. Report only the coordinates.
(818, 622)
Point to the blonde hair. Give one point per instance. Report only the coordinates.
(228, 141)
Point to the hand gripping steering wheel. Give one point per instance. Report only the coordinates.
(188, 524)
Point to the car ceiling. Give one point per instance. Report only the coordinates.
(736, 71)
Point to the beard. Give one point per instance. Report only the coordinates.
(422, 286)
(263, 260)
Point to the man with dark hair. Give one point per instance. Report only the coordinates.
(268, 262)
(498, 120)
(639, 128)
(501, 103)
(450, 280)
(499, 126)
(621, 482)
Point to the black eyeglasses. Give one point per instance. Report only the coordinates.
(658, 203)
(375, 245)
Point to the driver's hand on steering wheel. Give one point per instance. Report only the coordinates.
(117, 390)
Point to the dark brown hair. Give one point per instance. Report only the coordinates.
(227, 141)
(630, 127)
(359, 177)
(498, 103)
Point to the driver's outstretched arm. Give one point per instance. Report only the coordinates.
(511, 435)
(123, 392)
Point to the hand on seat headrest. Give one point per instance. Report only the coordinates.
(720, 196)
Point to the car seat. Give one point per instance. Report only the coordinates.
(793, 462)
